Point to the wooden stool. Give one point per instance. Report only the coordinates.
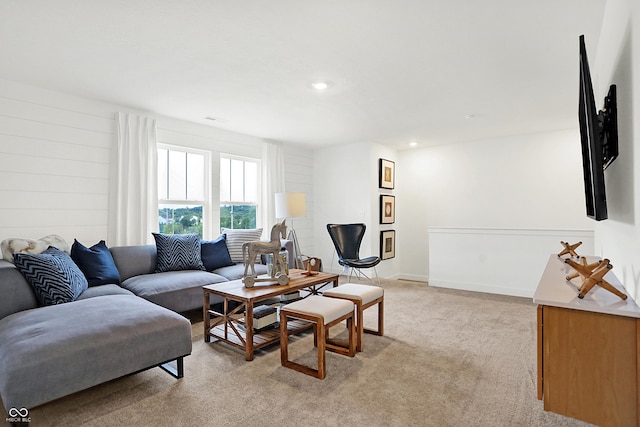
(323, 313)
(363, 296)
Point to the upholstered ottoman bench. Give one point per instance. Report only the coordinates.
(363, 296)
(323, 313)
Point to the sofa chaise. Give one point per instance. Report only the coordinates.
(108, 331)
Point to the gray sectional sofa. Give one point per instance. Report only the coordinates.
(109, 331)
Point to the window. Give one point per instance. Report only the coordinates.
(182, 190)
(239, 192)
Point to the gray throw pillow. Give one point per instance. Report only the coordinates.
(54, 277)
(177, 252)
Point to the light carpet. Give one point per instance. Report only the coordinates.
(448, 358)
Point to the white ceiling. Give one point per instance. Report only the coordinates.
(400, 70)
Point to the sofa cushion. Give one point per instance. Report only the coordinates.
(236, 238)
(215, 253)
(53, 275)
(102, 290)
(176, 290)
(236, 271)
(96, 263)
(134, 260)
(177, 252)
(17, 294)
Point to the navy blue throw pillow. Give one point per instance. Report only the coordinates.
(52, 274)
(215, 253)
(96, 263)
(177, 252)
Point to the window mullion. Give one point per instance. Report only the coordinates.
(186, 176)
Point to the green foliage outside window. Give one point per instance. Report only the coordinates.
(238, 216)
(180, 220)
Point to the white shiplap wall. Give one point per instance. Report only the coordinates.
(299, 178)
(55, 152)
(54, 164)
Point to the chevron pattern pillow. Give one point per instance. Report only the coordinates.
(53, 276)
(177, 252)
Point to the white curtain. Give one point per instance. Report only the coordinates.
(134, 213)
(273, 181)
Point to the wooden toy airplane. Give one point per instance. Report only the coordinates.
(593, 274)
(569, 249)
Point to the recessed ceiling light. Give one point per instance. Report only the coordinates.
(320, 85)
(413, 144)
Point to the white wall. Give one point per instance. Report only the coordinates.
(527, 181)
(299, 166)
(54, 164)
(495, 260)
(389, 267)
(527, 185)
(618, 62)
(343, 194)
(55, 152)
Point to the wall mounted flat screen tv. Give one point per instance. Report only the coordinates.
(598, 137)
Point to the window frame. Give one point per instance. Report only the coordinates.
(258, 202)
(206, 186)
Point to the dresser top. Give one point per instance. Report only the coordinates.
(555, 290)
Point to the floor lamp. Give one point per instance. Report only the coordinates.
(292, 205)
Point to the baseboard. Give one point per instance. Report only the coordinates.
(411, 277)
(479, 287)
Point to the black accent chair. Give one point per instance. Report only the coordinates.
(347, 239)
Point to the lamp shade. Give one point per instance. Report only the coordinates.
(290, 205)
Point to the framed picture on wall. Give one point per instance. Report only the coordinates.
(387, 171)
(387, 209)
(387, 244)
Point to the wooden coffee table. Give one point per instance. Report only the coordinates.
(235, 328)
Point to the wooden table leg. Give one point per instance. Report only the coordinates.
(206, 316)
(248, 322)
(225, 312)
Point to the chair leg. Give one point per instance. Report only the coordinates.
(381, 317)
(360, 325)
(380, 330)
(315, 335)
(360, 274)
(352, 341)
(322, 341)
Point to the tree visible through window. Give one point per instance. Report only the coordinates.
(181, 190)
(239, 195)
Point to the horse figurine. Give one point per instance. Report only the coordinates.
(251, 250)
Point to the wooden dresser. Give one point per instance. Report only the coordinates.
(588, 350)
